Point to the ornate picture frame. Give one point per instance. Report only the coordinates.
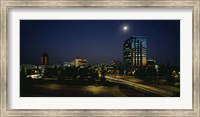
(5, 5)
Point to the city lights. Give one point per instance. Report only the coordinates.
(91, 58)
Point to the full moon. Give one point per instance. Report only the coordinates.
(125, 28)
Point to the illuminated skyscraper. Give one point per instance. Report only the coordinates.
(44, 59)
(134, 51)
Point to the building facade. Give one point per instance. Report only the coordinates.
(44, 59)
(80, 62)
(77, 62)
(134, 52)
(151, 62)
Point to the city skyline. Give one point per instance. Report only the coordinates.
(96, 40)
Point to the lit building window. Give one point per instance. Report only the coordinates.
(138, 51)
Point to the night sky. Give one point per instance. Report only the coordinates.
(98, 41)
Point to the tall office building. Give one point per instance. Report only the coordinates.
(44, 59)
(134, 51)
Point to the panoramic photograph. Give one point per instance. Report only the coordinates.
(99, 58)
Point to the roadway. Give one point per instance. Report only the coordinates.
(162, 90)
(114, 86)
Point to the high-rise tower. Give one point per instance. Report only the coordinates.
(44, 59)
(134, 51)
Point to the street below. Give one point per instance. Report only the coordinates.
(112, 87)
